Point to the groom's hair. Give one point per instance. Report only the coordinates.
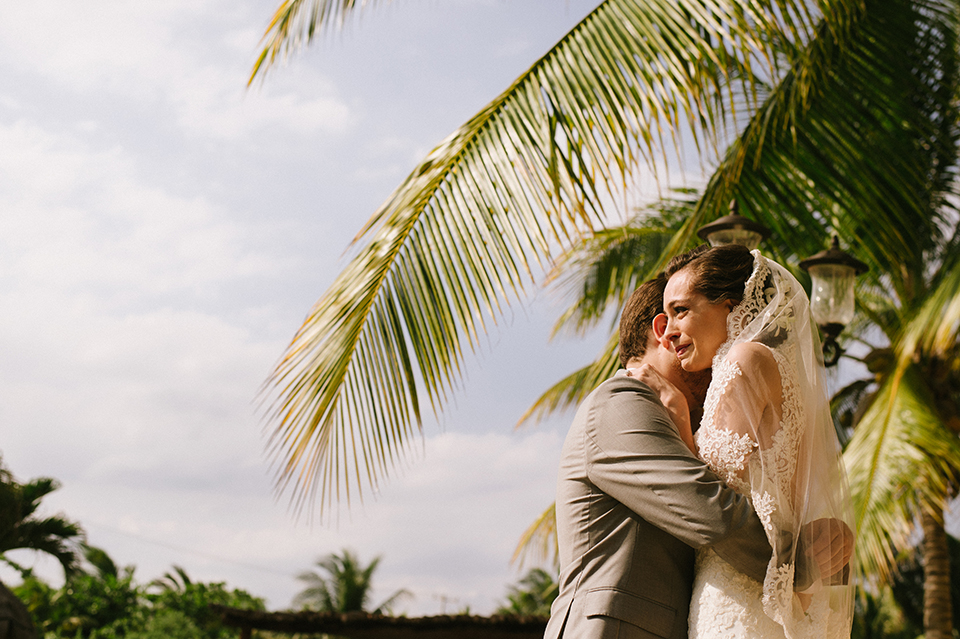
(644, 304)
(636, 321)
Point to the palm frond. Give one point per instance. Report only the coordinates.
(605, 268)
(35, 490)
(936, 328)
(296, 22)
(900, 458)
(464, 233)
(539, 541)
(21, 528)
(54, 536)
(101, 561)
(840, 144)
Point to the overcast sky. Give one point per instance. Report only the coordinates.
(163, 231)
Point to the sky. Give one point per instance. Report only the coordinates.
(164, 231)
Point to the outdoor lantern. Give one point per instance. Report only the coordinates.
(832, 273)
(734, 229)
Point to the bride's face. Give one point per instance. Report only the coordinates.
(695, 327)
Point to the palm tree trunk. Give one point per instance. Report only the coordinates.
(937, 613)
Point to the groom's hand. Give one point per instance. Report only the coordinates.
(829, 542)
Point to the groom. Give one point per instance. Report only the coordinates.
(633, 502)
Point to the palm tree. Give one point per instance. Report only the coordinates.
(823, 117)
(533, 595)
(346, 586)
(177, 581)
(22, 528)
(529, 174)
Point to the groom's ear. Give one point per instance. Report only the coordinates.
(659, 326)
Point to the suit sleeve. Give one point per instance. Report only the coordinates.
(635, 455)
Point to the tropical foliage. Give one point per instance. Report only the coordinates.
(818, 118)
(896, 610)
(345, 585)
(21, 527)
(191, 600)
(532, 595)
(110, 604)
(100, 600)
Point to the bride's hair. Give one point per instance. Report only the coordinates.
(719, 272)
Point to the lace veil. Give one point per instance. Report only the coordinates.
(786, 455)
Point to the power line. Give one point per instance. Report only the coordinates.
(191, 551)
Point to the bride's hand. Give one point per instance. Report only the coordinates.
(671, 398)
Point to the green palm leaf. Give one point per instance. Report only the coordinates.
(900, 456)
(605, 272)
(539, 541)
(466, 230)
(606, 267)
(21, 528)
(840, 144)
(296, 22)
(936, 328)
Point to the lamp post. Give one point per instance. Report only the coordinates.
(832, 273)
(734, 229)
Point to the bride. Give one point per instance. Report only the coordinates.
(767, 431)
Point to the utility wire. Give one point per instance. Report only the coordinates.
(191, 551)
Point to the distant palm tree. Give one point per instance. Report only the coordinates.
(21, 528)
(533, 595)
(177, 581)
(346, 587)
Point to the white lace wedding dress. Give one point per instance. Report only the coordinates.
(781, 453)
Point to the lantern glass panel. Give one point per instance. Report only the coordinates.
(750, 239)
(831, 294)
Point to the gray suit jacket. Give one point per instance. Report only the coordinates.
(632, 505)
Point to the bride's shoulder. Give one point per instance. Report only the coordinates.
(755, 361)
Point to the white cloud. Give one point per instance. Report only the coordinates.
(112, 344)
(225, 111)
(78, 218)
(147, 54)
(92, 44)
